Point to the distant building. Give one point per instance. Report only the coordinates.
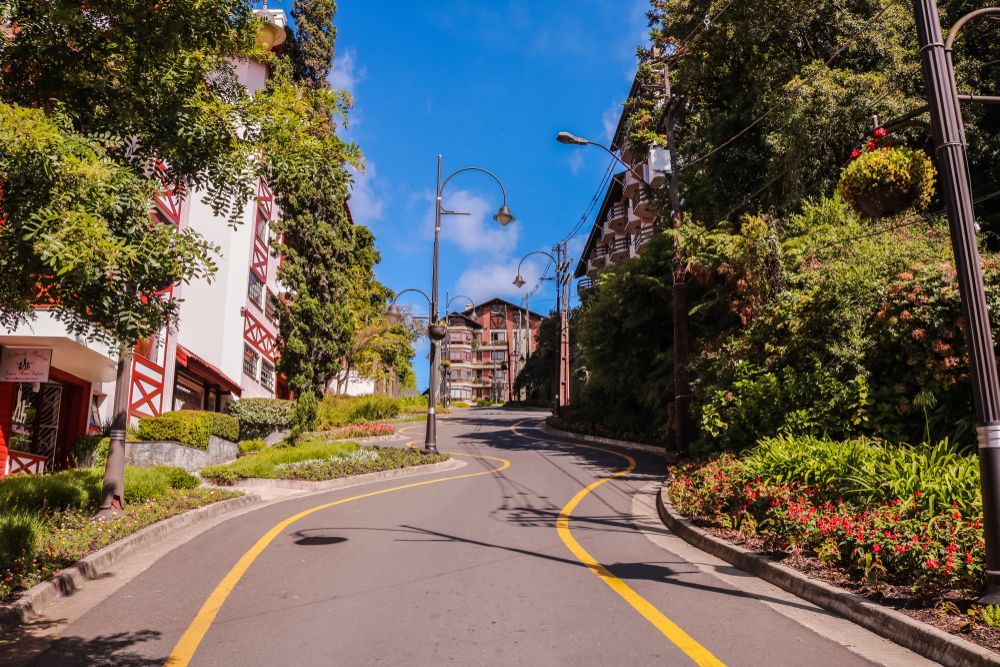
(486, 347)
(626, 220)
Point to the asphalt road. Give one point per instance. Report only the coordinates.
(469, 570)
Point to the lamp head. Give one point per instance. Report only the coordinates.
(503, 366)
(519, 281)
(504, 216)
(393, 314)
(571, 139)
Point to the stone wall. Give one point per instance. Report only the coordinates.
(171, 453)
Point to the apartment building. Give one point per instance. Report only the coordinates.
(486, 346)
(55, 386)
(627, 218)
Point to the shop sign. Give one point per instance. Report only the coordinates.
(25, 364)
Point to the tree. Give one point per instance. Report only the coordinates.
(314, 40)
(83, 147)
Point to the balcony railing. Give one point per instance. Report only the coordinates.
(645, 207)
(584, 285)
(618, 216)
(621, 248)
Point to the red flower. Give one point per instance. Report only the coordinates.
(880, 132)
(871, 145)
(876, 548)
(855, 154)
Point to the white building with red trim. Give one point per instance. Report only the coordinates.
(222, 345)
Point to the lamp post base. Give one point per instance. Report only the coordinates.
(430, 448)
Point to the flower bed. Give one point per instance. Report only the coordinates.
(372, 430)
(46, 524)
(315, 460)
(911, 550)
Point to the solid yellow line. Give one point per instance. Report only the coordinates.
(185, 648)
(698, 653)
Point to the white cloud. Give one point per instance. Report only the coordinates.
(476, 232)
(485, 282)
(575, 161)
(367, 204)
(610, 120)
(346, 74)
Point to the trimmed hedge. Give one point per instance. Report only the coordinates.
(258, 417)
(189, 427)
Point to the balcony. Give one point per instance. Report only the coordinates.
(633, 221)
(645, 207)
(618, 216)
(641, 241)
(632, 184)
(598, 256)
(584, 285)
(620, 249)
(607, 234)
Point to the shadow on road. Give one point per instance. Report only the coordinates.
(314, 537)
(104, 651)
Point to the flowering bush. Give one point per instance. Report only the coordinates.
(898, 541)
(373, 430)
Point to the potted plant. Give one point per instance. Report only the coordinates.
(884, 181)
(437, 331)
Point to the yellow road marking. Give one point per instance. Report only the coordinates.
(670, 630)
(189, 642)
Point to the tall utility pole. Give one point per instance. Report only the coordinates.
(682, 382)
(562, 281)
(953, 167)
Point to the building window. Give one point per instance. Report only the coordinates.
(498, 356)
(498, 337)
(255, 290)
(267, 374)
(250, 359)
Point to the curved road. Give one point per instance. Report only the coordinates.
(470, 569)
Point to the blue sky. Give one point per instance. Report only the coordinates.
(486, 84)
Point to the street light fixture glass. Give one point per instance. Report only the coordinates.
(519, 281)
(504, 216)
(567, 138)
(393, 315)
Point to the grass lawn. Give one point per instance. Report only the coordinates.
(46, 525)
(317, 459)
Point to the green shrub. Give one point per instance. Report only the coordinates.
(143, 484)
(304, 415)
(189, 427)
(20, 533)
(100, 457)
(258, 417)
(70, 489)
(459, 404)
(376, 407)
(251, 446)
(337, 411)
(85, 449)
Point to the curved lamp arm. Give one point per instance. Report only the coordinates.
(536, 252)
(480, 169)
(953, 33)
(567, 138)
(447, 306)
(412, 289)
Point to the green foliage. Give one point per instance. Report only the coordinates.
(79, 488)
(338, 411)
(20, 533)
(260, 416)
(988, 614)
(315, 35)
(189, 427)
(868, 472)
(251, 446)
(888, 180)
(85, 449)
(264, 463)
(304, 415)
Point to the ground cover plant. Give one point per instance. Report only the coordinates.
(46, 525)
(375, 430)
(900, 523)
(316, 458)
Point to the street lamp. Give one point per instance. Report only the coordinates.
(562, 303)
(393, 315)
(502, 216)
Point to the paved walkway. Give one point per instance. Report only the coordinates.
(528, 555)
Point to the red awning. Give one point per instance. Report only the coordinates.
(206, 371)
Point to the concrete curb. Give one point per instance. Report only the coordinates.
(67, 581)
(621, 444)
(345, 482)
(921, 638)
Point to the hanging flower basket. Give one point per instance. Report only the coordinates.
(885, 181)
(437, 331)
